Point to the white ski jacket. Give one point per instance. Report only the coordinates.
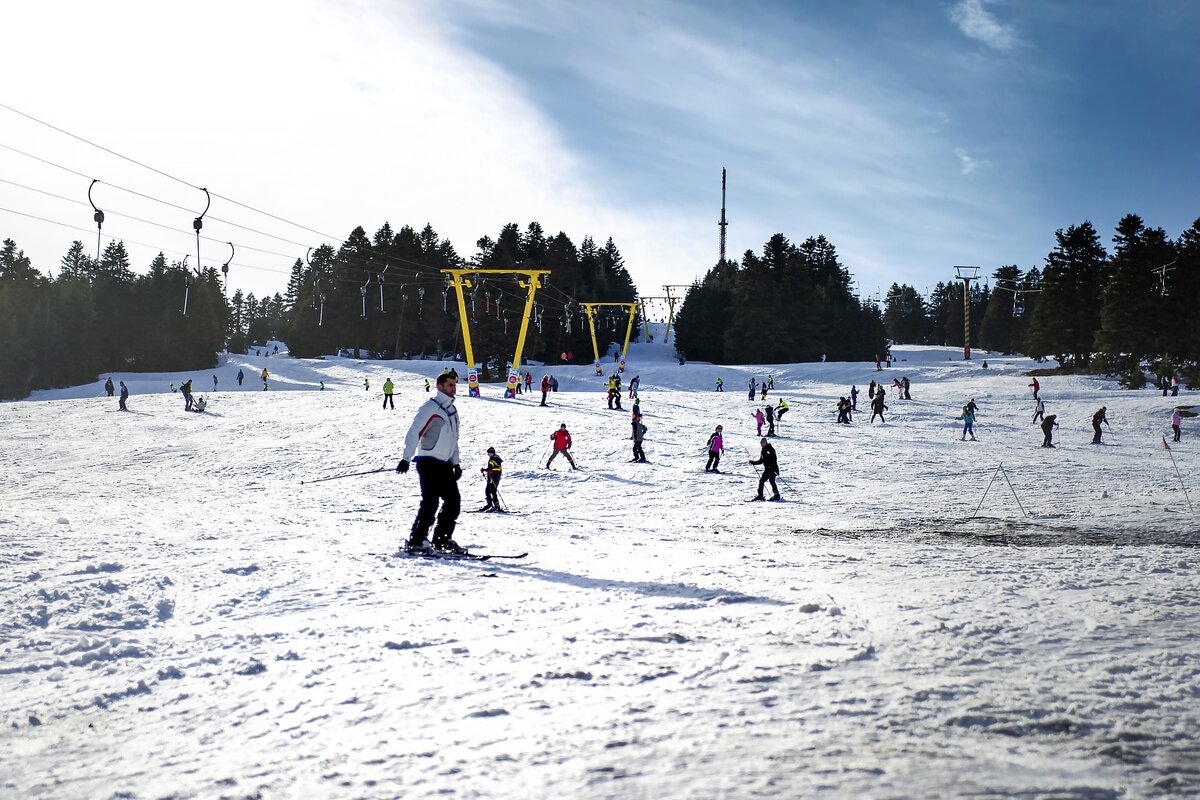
(434, 431)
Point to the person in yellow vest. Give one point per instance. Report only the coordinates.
(427, 386)
(388, 387)
(781, 410)
(264, 377)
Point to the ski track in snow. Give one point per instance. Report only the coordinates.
(181, 618)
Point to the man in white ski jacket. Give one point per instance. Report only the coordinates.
(433, 440)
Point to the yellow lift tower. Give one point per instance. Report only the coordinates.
(590, 310)
(463, 279)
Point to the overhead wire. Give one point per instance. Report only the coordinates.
(367, 262)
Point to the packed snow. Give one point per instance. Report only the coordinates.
(183, 617)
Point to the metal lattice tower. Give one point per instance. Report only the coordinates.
(722, 224)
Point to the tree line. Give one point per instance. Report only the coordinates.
(793, 302)
(1125, 312)
(380, 297)
(97, 316)
(385, 296)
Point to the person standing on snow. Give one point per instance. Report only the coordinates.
(186, 390)
(562, 444)
(1035, 386)
(545, 388)
(1048, 425)
(770, 410)
(108, 386)
(974, 409)
(877, 406)
(432, 441)
(752, 384)
(904, 385)
(781, 410)
(639, 432)
(241, 377)
(633, 385)
(125, 396)
(968, 419)
(264, 377)
(1176, 421)
(720, 385)
(854, 397)
(528, 382)
(491, 472)
(759, 418)
(1097, 418)
(1175, 384)
(214, 383)
(770, 470)
(871, 391)
(388, 388)
(764, 391)
(716, 446)
(366, 384)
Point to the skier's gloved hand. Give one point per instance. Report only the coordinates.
(402, 467)
(456, 471)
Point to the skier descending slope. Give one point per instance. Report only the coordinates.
(1048, 424)
(433, 439)
(562, 444)
(770, 465)
(639, 433)
(716, 446)
(1098, 418)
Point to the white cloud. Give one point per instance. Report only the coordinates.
(974, 20)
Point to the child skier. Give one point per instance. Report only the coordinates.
(759, 418)
(968, 420)
(639, 432)
(491, 472)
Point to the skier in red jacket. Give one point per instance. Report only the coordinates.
(562, 444)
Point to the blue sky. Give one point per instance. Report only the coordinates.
(914, 136)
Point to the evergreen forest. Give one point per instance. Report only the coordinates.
(1117, 310)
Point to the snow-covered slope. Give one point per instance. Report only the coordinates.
(183, 617)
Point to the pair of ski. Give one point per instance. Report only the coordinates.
(461, 556)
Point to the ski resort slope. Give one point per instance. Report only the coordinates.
(183, 617)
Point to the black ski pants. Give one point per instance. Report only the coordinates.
(387, 400)
(492, 493)
(557, 453)
(437, 485)
(1176, 429)
(638, 454)
(714, 458)
(1096, 435)
(767, 477)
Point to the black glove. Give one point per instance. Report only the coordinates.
(456, 471)
(402, 466)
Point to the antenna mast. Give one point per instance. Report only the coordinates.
(722, 224)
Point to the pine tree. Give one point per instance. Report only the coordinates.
(1131, 329)
(1067, 315)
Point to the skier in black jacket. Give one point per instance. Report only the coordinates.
(770, 470)
(492, 472)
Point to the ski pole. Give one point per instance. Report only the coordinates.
(348, 475)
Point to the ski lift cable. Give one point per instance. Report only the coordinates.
(158, 171)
